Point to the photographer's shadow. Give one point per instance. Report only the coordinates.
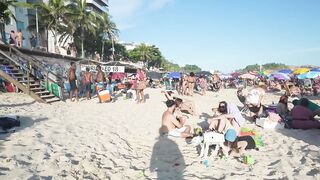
(167, 159)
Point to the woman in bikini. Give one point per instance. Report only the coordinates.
(191, 83)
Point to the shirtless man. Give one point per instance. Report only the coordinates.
(87, 82)
(175, 127)
(72, 81)
(191, 83)
(100, 79)
(19, 38)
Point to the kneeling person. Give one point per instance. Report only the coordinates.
(175, 126)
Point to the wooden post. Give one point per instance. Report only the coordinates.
(28, 78)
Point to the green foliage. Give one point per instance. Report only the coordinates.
(151, 55)
(191, 68)
(267, 66)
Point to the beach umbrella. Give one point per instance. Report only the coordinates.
(309, 75)
(235, 75)
(315, 70)
(154, 75)
(281, 76)
(247, 76)
(285, 71)
(118, 75)
(174, 75)
(301, 70)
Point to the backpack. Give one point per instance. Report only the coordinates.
(8, 122)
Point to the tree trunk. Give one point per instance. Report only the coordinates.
(82, 41)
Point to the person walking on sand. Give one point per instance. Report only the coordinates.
(72, 80)
(100, 79)
(141, 85)
(174, 126)
(87, 82)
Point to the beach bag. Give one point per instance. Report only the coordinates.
(8, 122)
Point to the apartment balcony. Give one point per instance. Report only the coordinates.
(99, 5)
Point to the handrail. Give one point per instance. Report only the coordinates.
(37, 64)
(16, 62)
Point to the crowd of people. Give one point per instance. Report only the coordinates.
(228, 119)
(89, 83)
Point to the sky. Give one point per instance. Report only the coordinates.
(223, 35)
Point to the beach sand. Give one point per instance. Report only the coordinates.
(120, 140)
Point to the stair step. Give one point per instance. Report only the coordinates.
(55, 99)
(16, 74)
(37, 89)
(25, 81)
(47, 96)
(42, 92)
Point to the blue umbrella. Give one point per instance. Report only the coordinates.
(315, 70)
(174, 75)
(302, 76)
(285, 71)
(312, 74)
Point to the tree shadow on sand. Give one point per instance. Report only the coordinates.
(167, 159)
(25, 122)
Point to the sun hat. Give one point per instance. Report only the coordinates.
(230, 135)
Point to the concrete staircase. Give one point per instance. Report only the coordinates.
(24, 80)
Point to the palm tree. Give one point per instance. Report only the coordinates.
(109, 28)
(5, 15)
(81, 17)
(53, 16)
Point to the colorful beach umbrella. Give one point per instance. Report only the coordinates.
(247, 76)
(118, 75)
(309, 75)
(285, 71)
(176, 75)
(281, 76)
(315, 69)
(301, 70)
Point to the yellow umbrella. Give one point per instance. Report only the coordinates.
(301, 70)
(266, 72)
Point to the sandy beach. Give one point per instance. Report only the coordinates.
(120, 140)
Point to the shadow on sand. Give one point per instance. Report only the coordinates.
(308, 136)
(167, 160)
(16, 105)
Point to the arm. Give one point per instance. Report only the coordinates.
(176, 122)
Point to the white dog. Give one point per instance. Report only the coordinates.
(208, 139)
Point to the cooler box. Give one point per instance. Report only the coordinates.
(104, 96)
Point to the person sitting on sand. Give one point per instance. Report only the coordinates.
(241, 144)
(303, 117)
(229, 112)
(282, 106)
(254, 101)
(315, 108)
(174, 126)
(182, 105)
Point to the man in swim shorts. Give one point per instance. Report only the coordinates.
(174, 126)
(72, 80)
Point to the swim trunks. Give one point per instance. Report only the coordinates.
(73, 85)
(177, 132)
(251, 144)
